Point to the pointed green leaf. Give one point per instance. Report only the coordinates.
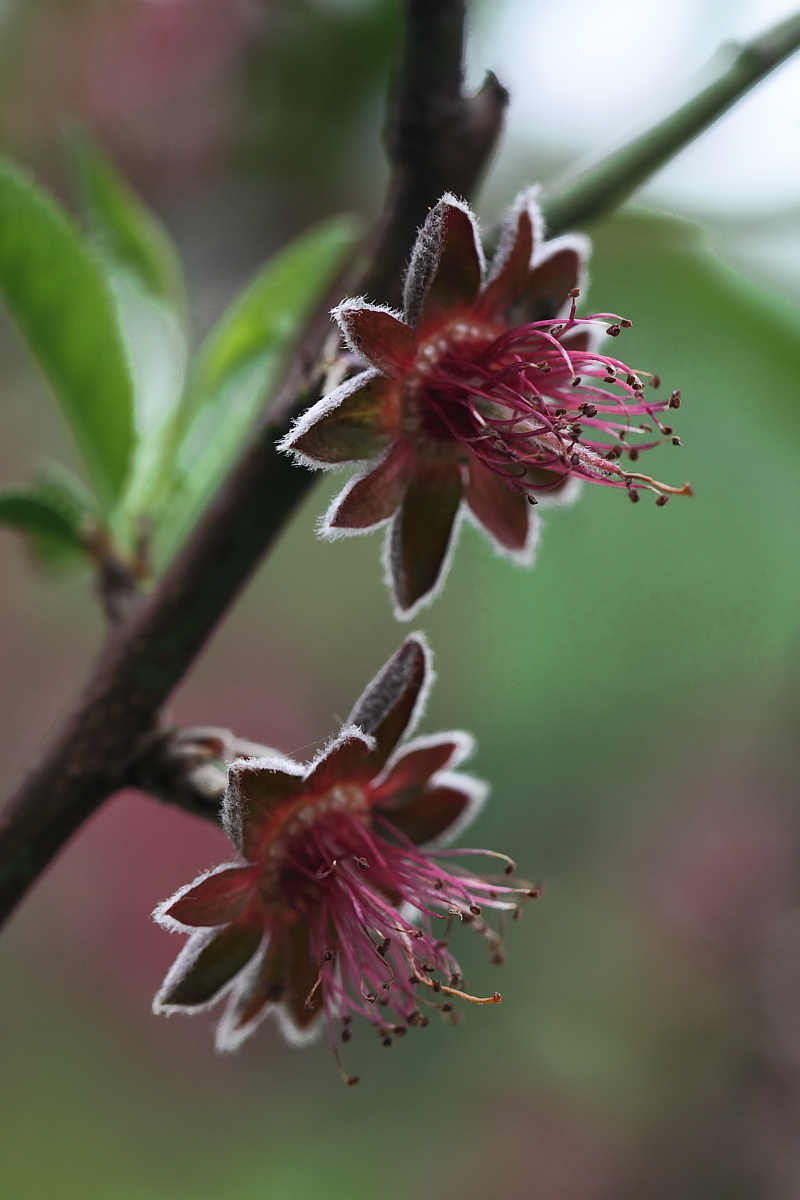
(22, 508)
(55, 291)
(126, 231)
(237, 365)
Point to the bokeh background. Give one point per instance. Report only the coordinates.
(634, 697)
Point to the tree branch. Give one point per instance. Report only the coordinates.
(609, 183)
(438, 140)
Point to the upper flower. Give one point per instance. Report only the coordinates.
(487, 393)
(330, 911)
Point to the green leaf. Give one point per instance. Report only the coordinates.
(126, 231)
(238, 364)
(56, 293)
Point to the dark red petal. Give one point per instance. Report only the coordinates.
(511, 265)
(446, 269)
(254, 792)
(223, 956)
(412, 770)
(300, 976)
(344, 760)
(379, 336)
(429, 814)
(423, 530)
(268, 986)
(550, 283)
(217, 899)
(361, 425)
(376, 496)
(502, 512)
(387, 707)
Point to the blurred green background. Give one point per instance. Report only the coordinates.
(633, 697)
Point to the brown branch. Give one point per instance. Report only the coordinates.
(438, 140)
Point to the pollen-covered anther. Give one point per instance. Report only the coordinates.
(675, 399)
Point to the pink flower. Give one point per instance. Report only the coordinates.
(485, 395)
(338, 905)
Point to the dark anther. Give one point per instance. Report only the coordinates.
(544, 367)
(447, 1008)
(352, 1081)
(384, 947)
(346, 1035)
(576, 431)
(613, 331)
(613, 453)
(509, 868)
(676, 441)
(362, 864)
(531, 499)
(575, 292)
(633, 454)
(662, 500)
(371, 997)
(455, 979)
(329, 955)
(399, 1030)
(498, 957)
(633, 381)
(634, 496)
(535, 893)
(556, 330)
(675, 399)
(387, 1041)
(626, 324)
(655, 381)
(439, 884)
(437, 987)
(576, 381)
(575, 459)
(666, 429)
(475, 909)
(561, 412)
(517, 914)
(589, 410)
(418, 933)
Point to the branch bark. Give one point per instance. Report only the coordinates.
(439, 140)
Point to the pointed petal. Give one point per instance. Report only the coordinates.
(378, 335)
(372, 498)
(207, 964)
(344, 759)
(422, 532)
(519, 237)
(502, 512)
(393, 702)
(357, 420)
(256, 994)
(256, 788)
(216, 899)
(561, 268)
(415, 765)
(300, 975)
(446, 269)
(439, 813)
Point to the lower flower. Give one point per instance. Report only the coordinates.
(340, 905)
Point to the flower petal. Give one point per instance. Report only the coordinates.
(393, 702)
(216, 899)
(422, 533)
(256, 787)
(503, 513)
(344, 759)
(446, 269)
(369, 499)
(438, 813)
(357, 420)
(561, 268)
(260, 990)
(300, 975)
(415, 765)
(378, 335)
(519, 237)
(207, 964)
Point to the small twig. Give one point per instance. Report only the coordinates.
(609, 183)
